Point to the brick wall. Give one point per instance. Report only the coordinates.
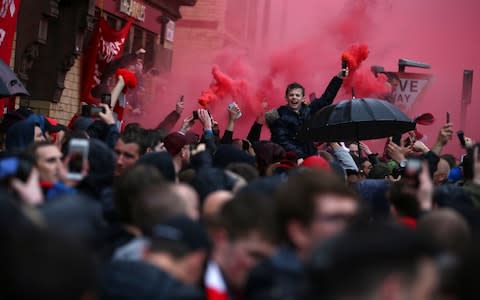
(200, 31)
(208, 27)
(205, 10)
(12, 58)
(70, 100)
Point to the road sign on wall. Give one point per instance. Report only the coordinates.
(407, 88)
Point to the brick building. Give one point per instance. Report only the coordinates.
(52, 35)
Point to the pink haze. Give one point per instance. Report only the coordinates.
(307, 47)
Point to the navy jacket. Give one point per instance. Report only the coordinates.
(286, 125)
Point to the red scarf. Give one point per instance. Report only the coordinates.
(408, 222)
(215, 286)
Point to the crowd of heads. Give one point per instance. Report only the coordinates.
(168, 213)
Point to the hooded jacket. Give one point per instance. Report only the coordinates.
(20, 135)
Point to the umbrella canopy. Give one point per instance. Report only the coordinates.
(10, 85)
(357, 120)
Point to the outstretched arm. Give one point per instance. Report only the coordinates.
(172, 118)
(207, 124)
(444, 136)
(233, 114)
(328, 95)
(343, 157)
(256, 129)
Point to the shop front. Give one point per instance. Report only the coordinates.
(52, 37)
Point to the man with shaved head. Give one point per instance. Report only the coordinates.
(190, 199)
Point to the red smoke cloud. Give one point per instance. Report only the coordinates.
(355, 55)
(355, 24)
(222, 87)
(304, 43)
(240, 84)
(361, 81)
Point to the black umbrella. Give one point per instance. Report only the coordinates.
(10, 85)
(357, 120)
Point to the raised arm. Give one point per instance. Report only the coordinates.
(256, 129)
(172, 118)
(233, 114)
(329, 94)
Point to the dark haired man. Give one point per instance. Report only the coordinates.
(311, 207)
(172, 265)
(142, 199)
(129, 147)
(241, 240)
(48, 160)
(374, 262)
(286, 122)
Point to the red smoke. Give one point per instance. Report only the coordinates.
(303, 44)
(355, 23)
(222, 86)
(362, 82)
(239, 88)
(248, 87)
(354, 56)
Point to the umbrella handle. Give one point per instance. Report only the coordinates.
(359, 150)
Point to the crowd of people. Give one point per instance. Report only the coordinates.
(170, 214)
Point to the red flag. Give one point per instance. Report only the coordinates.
(8, 24)
(105, 46)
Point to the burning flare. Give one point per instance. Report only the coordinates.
(362, 80)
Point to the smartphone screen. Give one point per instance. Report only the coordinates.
(76, 162)
(412, 172)
(77, 154)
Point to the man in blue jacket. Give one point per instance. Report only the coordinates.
(286, 122)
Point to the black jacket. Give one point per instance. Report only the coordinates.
(286, 125)
(280, 277)
(136, 280)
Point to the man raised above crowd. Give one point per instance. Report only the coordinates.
(286, 122)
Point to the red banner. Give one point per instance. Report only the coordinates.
(8, 24)
(105, 46)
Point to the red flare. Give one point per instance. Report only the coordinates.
(222, 86)
(361, 80)
(355, 55)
